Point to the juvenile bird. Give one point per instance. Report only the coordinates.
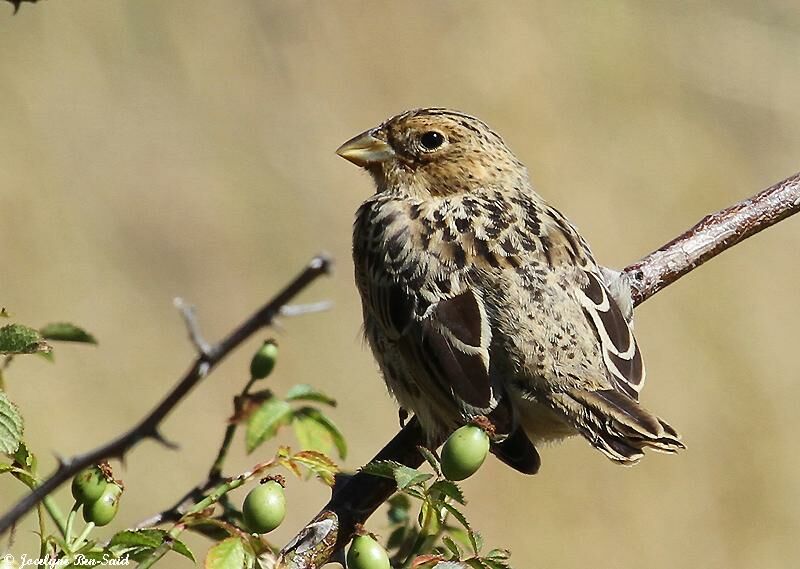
(480, 299)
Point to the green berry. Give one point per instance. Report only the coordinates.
(88, 485)
(264, 507)
(264, 360)
(366, 553)
(464, 452)
(103, 510)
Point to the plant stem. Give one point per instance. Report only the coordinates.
(215, 473)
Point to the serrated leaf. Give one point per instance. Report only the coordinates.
(303, 392)
(315, 431)
(407, 477)
(319, 464)
(19, 339)
(431, 459)
(66, 332)
(25, 458)
(452, 546)
(264, 423)
(430, 517)
(139, 543)
(228, 554)
(427, 560)
(473, 540)
(498, 555)
(181, 548)
(449, 489)
(382, 468)
(476, 563)
(494, 563)
(11, 426)
(404, 476)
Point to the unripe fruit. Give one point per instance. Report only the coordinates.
(264, 507)
(264, 360)
(366, 553)
(103, 510)
(88, 485)
(464, 452)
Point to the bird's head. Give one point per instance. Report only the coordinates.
(434, 152)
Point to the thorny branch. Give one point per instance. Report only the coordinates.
(207, 359)
(359, 497)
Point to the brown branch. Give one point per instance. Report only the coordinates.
(360, 496)
(207, 359)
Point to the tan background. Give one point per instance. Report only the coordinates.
(150, 149)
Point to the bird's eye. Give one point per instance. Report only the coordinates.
(431, 140)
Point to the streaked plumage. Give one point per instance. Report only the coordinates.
(481, 299)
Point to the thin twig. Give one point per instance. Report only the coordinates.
(148, 426)
(361, 495)
(301, 309)
(192, 326)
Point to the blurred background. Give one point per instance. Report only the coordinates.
(152, 149)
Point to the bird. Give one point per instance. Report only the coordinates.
(482, 301)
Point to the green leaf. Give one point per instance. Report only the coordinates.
(315, 431)
(407, 477)
(303, 392)
(404, 476)
(66, 332)
(431, 459)
(430, 517)
(449, 489)
(382, 468)
(11, 426)
(497, 559)
(140, 543)
(452, 546)
(19, 339)
(495, 564)
(264, 423)
(228, 554)
(25, 457)
(473, 538)
(317, 463)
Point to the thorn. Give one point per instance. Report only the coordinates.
(60, 461)
(159, 437)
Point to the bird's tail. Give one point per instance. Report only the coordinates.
(616, 425)
(517, 451)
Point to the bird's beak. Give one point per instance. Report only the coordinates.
(365, 149)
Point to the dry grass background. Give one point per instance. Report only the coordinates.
(150, 149)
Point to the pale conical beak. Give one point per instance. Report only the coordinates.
(365, 149)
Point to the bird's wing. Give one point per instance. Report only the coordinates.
(454, 338)
(444, 337)
(620, 351)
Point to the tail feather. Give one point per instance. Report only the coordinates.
(616, 425)
(518, 452)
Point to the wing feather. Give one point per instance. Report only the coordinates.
(620, 351)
